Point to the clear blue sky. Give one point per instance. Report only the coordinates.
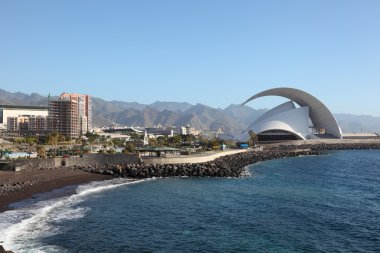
(211, 52)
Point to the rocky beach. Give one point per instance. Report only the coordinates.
(17, 186)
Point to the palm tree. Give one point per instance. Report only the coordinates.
(41, 152)
(254, 138)
(53, 139)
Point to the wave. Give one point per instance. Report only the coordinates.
(22, 229)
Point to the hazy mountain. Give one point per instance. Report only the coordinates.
(244, 114)
(18, 98)
(358, 123)
(232, 119)
(171, 106)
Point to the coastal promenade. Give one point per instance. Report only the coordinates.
(197, 158)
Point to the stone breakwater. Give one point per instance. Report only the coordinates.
(226, 166)
(327, 146)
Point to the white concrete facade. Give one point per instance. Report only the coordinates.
(286, 117)
(15, 111)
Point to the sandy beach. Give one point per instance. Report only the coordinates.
(16, 186)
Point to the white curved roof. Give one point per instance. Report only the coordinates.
(320, 115)
(285, 117)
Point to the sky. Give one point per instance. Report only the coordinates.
(213, 52)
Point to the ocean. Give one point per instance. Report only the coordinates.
(328, 203)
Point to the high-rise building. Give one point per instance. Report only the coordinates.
(85, 109)
(64, 118)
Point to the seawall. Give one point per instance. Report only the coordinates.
(88, 160)
(322, 145)
(233, 165)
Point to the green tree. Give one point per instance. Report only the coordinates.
(253, 138)
(175, 141)
(152, 142)
(118, 142)
(103, 139)
(136, 136)
(129, 148)
(53, 139)
(92, 137)
(213, 142)
(19, 140)
(31, 140)
(190, 138)
(162, 141)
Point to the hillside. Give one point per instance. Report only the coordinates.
(231, 120)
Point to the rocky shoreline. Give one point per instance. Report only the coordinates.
(225, 166)
(17, 186)
(326, 146)
(31, 181)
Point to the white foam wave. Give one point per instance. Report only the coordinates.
(20, 229)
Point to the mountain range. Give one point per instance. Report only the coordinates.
(232, 120)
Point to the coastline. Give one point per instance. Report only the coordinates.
(18, 186)
(22, 185)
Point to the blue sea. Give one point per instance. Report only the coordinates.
(327, 203)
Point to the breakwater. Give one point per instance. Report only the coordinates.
(225, 166)
(325, 146)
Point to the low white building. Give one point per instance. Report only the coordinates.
(7, 111)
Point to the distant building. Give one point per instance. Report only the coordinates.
(122, 130)
(187, 130)
(13, 124)
(7, 111)
(38, 124)
(159, 131)
(182, 130)
(28, 124)
(64, 118)
(85, 109)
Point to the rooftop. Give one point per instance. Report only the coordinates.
(30, 107)
(157, 149)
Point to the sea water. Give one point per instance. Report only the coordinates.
(327, 203)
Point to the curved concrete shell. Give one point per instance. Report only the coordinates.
(320, 115)
(285, 117)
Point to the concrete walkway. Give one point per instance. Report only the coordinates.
(200, 158)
